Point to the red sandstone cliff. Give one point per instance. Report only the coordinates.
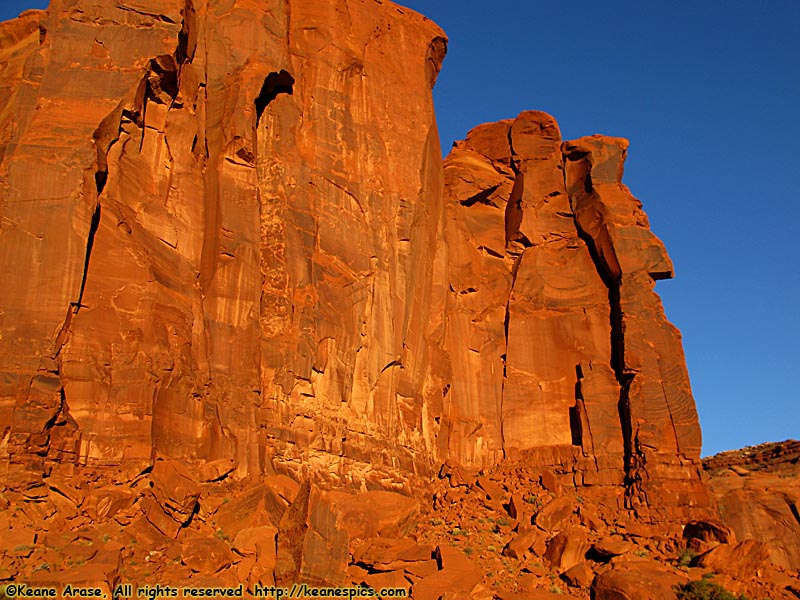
(226, 216)
(562, 349)
(240, 256)
(235, 262)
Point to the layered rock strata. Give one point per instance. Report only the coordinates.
(231, 242)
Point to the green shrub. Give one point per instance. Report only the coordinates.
(704, 589)
(685, 557)
(533, 499)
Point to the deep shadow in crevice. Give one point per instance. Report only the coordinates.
(575, 426)
(100, 178)
(795, 512)
(275, 83)
(576, 431)
(162, 80)
(481, 197)
(187, 37)
(93, 225)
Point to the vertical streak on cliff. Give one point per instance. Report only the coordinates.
(513, 217)
(271, 146)
(212, 140)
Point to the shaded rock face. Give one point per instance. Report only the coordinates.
(233, 244)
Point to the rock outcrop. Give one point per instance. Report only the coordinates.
(225, 216)
(242, 251)
(560, 342)
(758, 497)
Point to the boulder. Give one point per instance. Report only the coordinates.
(256, 506)
(318, 528)
(746, 559)
(645, 580)
(556, 514)
(205, 555)
(709, 530)
(457, 575)
(173, 498)
(579, 575)
(608, 547)
(531, 539)
(567, 549)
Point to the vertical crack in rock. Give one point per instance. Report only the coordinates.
(512, 217)
(187, 37)
(59, 430)
(100, 178)
(655, 409)
(93, 225)
(624, 377)
(576, 430)
(608, 269)
(580, 425)
(105, 136)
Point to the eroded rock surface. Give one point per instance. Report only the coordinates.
(226, 216)
(563, 352)
(246, 254)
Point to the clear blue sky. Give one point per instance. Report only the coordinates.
(708, 93)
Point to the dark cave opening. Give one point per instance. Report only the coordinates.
(275, 83)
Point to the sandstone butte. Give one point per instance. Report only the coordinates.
(255, 331)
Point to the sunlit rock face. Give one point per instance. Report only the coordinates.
(229, 240)
(559, 347)
(219, 220)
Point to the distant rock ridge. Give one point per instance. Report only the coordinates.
(231, 241)
(758, 496)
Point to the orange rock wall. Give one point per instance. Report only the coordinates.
(560, 349)
(229, 239)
